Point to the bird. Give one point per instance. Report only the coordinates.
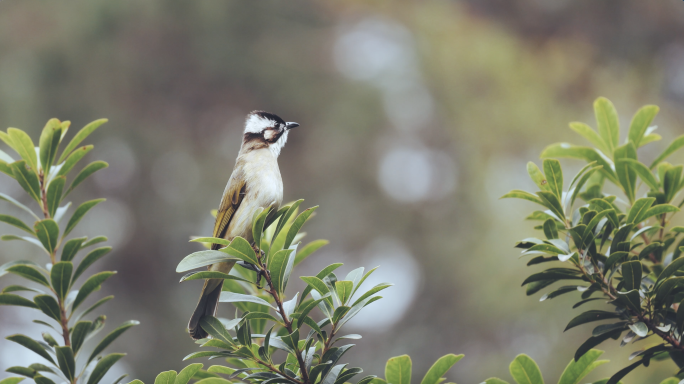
(254, 183)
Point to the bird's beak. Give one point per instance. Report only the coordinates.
(291, 125)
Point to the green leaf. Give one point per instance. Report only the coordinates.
(20, 288)
(65, 359)
(550, 229)
(6, 168)
(626, 175)
(90, 258)
(607, 122)
(73, 159)
(297, 225)
(11, 380)
(241, 249)
(79, 213)
(554, 176)
(588, 133)
(29, 272)
(11, 299)
(656, 211)
(204, 258)
(54, 194)
(85, 173)
(215, 328)
(71, 248)
(577, 370)
(22, 143)
(79, 333)
(641, 170)
(518, 194)
(262, 315)
(94, 240)
(537, 176)
(680, 315)
(111, 337)
(168, 377)
(258, 224)
(80, 136)
(673, 147)
(673, 267)
(187, 373)
(232, 297)
(589, 316)
(639, 208)
(623, 372)
(92, 284)
(344, 288)
(32, 345)
(285, 218)
(94, 306)
(552, 202)
(212, 275)
(308, 249)
(48, 143)
(640, 122)
(440, 368)
(317, 284)
(42, 380)
(278, 264)
(60, 274)
(372, 292)
(398, 370)
(103, 366)
(577, 152)
(16, 222)
(671, 380)
(49, 306)
(631, 273)
(210, 240)
(583, 179)
(47, 232)
(322, 274)
(494, 380)
(525, 371)
(27, 179)
(18, 204)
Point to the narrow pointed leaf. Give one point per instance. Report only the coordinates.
(92, 284)
(440, 368)
(103, 366)
(111, 337)
(60, 275)
(79, 213)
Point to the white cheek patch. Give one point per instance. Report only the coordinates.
(256, 124)
(269, 134)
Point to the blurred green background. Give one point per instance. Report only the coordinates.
(416, 116)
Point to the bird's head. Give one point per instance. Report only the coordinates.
(266, 130)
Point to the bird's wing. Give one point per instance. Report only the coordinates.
(230, 202)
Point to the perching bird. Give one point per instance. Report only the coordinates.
(255, 182)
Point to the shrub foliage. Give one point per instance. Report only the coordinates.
(616, 249)
(43, 176)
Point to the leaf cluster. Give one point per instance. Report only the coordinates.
(275, 338)
(621, 250)
(53, 289)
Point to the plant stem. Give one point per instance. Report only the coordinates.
(610, 291)
(64, 320)
(288, 322)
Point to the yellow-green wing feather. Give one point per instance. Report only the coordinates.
(229, 204)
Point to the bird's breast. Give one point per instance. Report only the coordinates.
(264, 183)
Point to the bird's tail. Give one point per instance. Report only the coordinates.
(208, 302)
